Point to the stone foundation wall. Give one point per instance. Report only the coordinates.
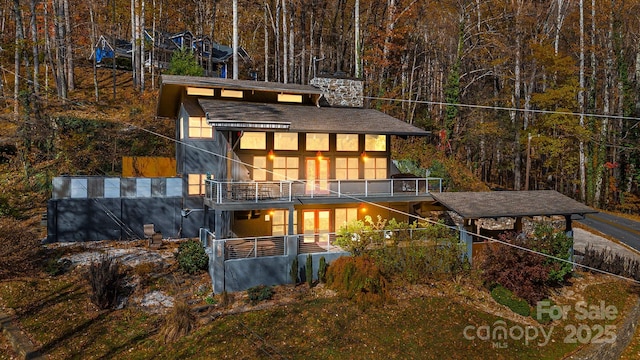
(340, 92)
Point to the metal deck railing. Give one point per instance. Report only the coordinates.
(255, 191)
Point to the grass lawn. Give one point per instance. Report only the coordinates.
(59, 317)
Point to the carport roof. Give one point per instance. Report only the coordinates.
(493, 204)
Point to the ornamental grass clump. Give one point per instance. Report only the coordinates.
(106, 281)
(179, 322)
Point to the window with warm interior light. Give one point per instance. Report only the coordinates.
(231, 93)
(285, 141)
(344, 216)
(280, 222)
(375, 168)
(286, 168)
(347, 168)
(290, 98)
(253, 140)
(347, 142)
(375, 142)
(317, 142)
(199, 129)
(196, 185)
(259, 168)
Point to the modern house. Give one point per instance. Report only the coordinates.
(264, 172)
(269, 172)
(275, 166)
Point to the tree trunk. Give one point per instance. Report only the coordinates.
(68, 41)
(285, 43)
(35, 50)
(266, 41)
(235, 39)
(581, 107)
(17, 56)
(93, 62)
(60, 50)
(141, 25)
(515, 116)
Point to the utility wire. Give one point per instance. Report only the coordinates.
(505, 108)
(361, 200)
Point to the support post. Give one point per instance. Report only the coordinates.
(291, 238)
(216, 267)
(568, 230)
(467, 238)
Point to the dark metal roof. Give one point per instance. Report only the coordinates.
(308, 118)
(476, 205)
(172, 88)
(231, 84)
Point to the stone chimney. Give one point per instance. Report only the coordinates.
(340, 92)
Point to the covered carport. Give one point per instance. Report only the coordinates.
(474, 206)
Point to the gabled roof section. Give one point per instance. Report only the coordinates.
(493, 204)
(173, 87)
(227, 114)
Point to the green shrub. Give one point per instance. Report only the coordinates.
(505, 297)
(293, 272)
(359, 279)
(322, 270)
(309, 270)
(106, 280)
(415, 256)
(210, 300)
(191, 257)
(259, 293)
(56, 266)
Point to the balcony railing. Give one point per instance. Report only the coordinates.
(254, 191)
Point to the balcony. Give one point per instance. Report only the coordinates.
(319, 191)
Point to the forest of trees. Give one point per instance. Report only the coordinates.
(528, 94)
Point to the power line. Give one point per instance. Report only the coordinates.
(361, 200)
(505, 108)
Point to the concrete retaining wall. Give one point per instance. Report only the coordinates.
(624, 334)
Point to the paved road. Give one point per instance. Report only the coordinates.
(625, 230)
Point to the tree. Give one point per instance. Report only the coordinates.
(183, 62)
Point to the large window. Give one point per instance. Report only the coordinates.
(196, 184)
(280, 222)
(253, 140)
(259, 168)
(375, 168)
(285, 141)
(347, 142)
(317, 142)
(375, 142)
(347, 168)
(286, 168)
(344, 216)
(199, 129)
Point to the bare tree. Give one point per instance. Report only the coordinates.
(19, 42)
(68, 43)
(93, 58)
(34, 47)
